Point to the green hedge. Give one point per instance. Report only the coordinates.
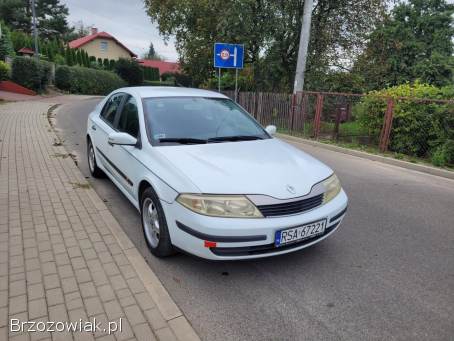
(4, 71)
(151, 73)
(419, 129)
(130, 71)
(30, 73)
(82, 80)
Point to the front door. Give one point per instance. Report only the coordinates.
(103, 125)
(125, 157)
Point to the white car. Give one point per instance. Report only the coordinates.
(207, 179)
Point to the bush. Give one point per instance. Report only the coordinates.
(6, 45)
(45, 71)
(444, 154)
(86, 81)
(151, 73)
(130, 71)
(4, 71)
(30, 73)
(419, 129)
(168, 77)
(63, 78)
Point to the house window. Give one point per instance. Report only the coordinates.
(103, 46)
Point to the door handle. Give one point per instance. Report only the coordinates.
(93, 127)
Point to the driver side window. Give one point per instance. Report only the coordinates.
(129, 118)
(110, 109)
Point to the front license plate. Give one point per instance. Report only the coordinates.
(295, 234)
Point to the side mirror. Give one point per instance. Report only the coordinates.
(271, 130)
(122, 139)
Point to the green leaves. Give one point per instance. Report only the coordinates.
(51, 16)
(270, 32)
(86, 81)
(419, 129)
(414, 43)
(130, 71)
(30, 73)
(6, 45)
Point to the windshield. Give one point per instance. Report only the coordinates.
(189, 120)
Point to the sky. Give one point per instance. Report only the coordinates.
(126, 20)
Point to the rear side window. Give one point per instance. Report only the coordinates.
(129, 118)
(110, 108)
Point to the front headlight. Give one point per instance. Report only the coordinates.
(332, 188)
(231, 206)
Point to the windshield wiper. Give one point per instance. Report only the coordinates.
(234, 138)
(182, 140)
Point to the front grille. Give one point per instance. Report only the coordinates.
(292, 207)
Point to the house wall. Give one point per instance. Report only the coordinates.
(114, 51)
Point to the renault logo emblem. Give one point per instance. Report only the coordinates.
(291, 189)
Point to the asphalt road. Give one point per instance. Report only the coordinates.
(386, 274)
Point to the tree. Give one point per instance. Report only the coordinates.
(112, 63)
(69, 57)
(77, 31)
(80, 57)
(415, 42)
(270, 32)
(6, 45)
(106, 64)
(151, 54)
(130, 71)
(13, 14)
(51, 16)
(86, 59)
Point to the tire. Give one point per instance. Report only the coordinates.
(154, 224)
(95, 171)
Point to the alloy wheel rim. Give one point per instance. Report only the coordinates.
(91, 158)
(151, 222)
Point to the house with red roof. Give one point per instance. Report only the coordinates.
(25, 51)
(102, 45)
(164, 67)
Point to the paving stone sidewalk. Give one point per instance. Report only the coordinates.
(63, 257)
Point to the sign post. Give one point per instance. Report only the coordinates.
(228, 56)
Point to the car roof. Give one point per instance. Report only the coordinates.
(167, 91)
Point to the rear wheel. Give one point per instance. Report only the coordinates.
(154, 225)
(95, 171)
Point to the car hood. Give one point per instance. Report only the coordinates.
(265, 167)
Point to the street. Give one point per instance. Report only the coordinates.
(386, 274)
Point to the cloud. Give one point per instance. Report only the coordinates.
(126, 20)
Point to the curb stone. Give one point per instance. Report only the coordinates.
(384, 159)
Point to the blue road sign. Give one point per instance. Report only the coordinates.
(229, 56)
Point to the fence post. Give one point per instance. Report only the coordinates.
(304, 101)
(292, 113)
(387, 125)
(336, 125)
(318, 114)
(259, 107)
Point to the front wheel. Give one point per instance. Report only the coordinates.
(95, 171)
(154, 225)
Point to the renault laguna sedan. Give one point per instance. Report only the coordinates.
(207, 179)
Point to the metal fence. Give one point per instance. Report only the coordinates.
(343, 118)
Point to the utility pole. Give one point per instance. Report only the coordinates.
(35, 31)
(304, 43)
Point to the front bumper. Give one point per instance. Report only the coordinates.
(238, 238)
